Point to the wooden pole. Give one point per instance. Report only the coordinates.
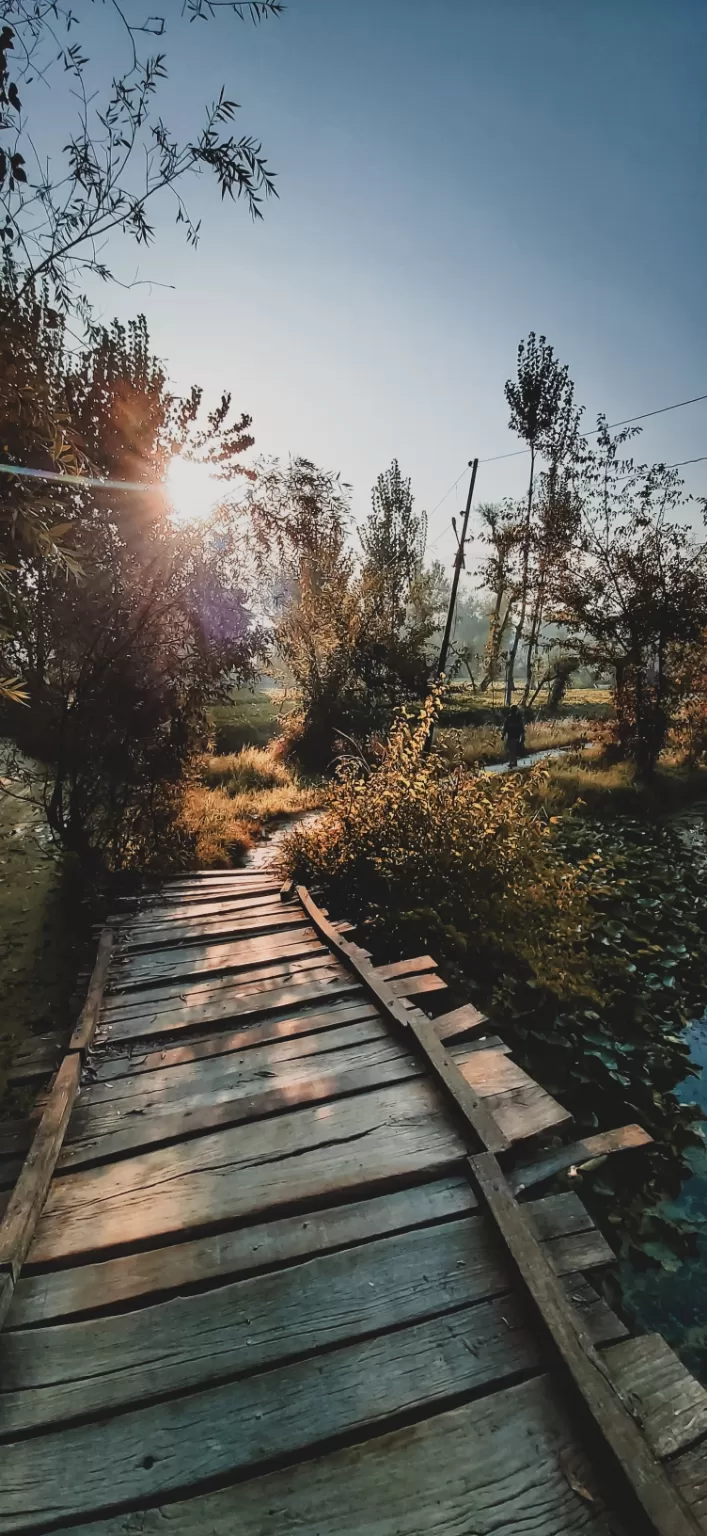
(458, 563)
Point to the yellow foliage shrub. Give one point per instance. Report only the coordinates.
(463, 861)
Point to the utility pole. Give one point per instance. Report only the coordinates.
(458, 564)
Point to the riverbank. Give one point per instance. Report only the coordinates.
(44, 933)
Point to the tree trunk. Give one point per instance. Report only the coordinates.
(510, 665)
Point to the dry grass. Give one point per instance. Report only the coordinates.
(479, 744)
(250, 769)
(614, 789)
(240, 796)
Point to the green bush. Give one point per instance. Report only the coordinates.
(587, 942)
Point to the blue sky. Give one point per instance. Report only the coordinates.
(452, 173)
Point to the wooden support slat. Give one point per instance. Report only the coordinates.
(477, 1119)
(656, 1497)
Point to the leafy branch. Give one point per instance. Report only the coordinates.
(57, 214)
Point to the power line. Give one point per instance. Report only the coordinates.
(517, 453)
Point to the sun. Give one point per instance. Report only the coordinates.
(193, 491)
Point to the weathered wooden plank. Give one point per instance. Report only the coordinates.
(161, 998)
(276, 1063)
(212, 1435)
(577, 1152)
(498, 1466)
(174, 1084)
(643, 1474)
(410, 986)
(276, 972)
(20, 1219)
(51, 1375)
(200, 959)
(102, 1132)
(689, 1473)
(271, 997)
(105, 1133)
(134, 1060)
(526, 1111)
(406, 967)
(369, 1142)
(218, 927)
(450, 1026)
(669, 1404)
(224, 905)
(66, 1293)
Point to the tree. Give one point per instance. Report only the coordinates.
(502, 532)
(393, 539)
(121, 665)
(120, 155)
(36, 435)
(632, 590)
(354, 643)
(543, 413)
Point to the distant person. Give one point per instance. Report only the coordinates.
(513, 734)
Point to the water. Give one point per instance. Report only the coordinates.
(673, 1301)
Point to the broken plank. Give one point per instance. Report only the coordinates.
(560, 1158)
(526, 1111)
(410, 986)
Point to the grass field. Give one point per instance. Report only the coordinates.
(251, 719)
(464, 707)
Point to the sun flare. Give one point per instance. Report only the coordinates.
(193, 491)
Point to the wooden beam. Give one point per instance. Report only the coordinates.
(27, 1199)
(655, 1495)
(476, 1117)
(88, 1018)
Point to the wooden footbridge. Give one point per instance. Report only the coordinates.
(275, 1261)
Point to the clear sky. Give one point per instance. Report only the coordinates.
(452, 173)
